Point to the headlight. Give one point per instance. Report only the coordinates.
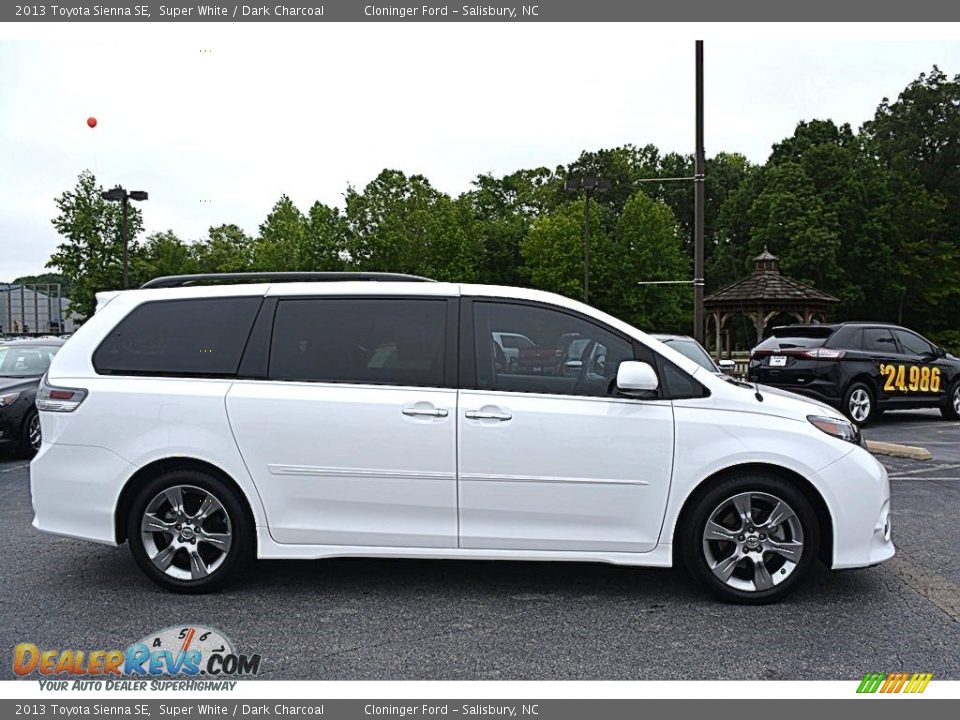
(843, 429)
(8, 399)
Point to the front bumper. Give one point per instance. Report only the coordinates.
(857, 492)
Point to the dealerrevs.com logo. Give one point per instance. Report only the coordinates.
(181, 651)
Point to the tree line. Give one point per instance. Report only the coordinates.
(871, 216)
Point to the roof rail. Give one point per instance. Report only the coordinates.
(171, 281)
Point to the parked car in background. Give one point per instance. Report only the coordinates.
(208, 424)
(511, 344)
(22, 364)
(696, 352)
(862, 368)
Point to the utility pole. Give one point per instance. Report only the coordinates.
(699, 171)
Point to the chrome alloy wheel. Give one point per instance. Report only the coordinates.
(753, 541)
(186, 532)
(33, 432)
(956, 399)
(859, 405)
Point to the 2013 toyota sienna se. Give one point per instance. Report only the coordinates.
(372, 415)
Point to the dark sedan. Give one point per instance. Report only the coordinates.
(22, 364)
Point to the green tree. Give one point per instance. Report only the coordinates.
(790, 219)
(226, 249)
(281, 244)
(402, 224)
(553, 249)
(646, 246)
(500, 211)
(324, 243)
(917, 139)
(163, 253)
(91, 255)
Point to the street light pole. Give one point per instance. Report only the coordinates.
(589, 185)
(586, 247)
(126, 243)
(120, 195)
(699, 192)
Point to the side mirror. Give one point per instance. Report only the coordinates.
(727, 365)
(940, 352)
(636, 376)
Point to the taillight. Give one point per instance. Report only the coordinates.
(51, 398)
(822, 353)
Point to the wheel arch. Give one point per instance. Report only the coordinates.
(865, 378)
(164, 465)
(809, 490)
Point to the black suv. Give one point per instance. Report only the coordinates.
(862, 368)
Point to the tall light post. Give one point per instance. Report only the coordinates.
(590, 186)
(118, 194)
(699, 189)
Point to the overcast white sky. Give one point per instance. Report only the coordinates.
(217, 136)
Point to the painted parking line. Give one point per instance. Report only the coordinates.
(943, 593)
(919, 471)
(15, 467)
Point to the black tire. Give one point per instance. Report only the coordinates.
(853, 406)
(230, 518)
(694, 547)
(27, 440)
(949, 409)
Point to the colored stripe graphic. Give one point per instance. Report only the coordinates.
(894, 682)
(870, 683)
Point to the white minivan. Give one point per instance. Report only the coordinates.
(207, 420)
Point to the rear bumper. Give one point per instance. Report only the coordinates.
(75, 489)
(858, 495)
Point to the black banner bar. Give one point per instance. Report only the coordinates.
(530, 11)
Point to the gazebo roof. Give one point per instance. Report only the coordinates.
(766, 286)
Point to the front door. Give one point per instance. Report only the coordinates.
(351, 439)
(550, 456)
(924, 379)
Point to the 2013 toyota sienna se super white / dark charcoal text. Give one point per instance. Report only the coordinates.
(378, 415)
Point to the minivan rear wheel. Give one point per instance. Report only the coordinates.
(752, 539)
(188, 531)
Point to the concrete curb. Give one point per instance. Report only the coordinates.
(900, 451)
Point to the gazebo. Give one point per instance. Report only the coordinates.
(763, 295)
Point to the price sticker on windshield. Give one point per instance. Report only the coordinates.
(912, 378)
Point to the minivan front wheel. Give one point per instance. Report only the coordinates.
(188, 532)
(752, 539)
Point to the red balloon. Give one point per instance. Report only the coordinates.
(92, 122)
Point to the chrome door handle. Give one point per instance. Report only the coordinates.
(477, 415)
(425, 412)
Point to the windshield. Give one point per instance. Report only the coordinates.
(693, 350)
(26, 360)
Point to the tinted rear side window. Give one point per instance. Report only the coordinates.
(878, 340)
(366, 341)
(201, 337)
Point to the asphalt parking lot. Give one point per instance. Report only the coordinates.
(372, 619)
